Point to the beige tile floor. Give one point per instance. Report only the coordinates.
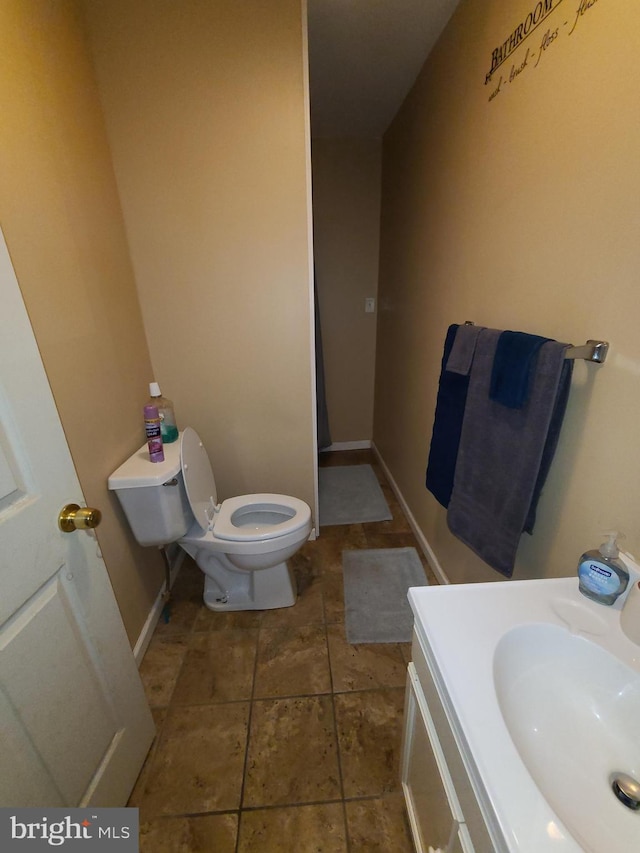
(273, 733)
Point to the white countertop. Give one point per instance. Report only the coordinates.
(459, 627)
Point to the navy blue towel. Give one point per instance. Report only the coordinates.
(513, 366)
(447, 427)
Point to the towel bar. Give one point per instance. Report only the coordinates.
(595, 351)
(591, 351)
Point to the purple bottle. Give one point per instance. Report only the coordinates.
(154, 433)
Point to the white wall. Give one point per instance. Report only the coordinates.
(206, 113)
(346, 227)
(519, 212)
(63, 224)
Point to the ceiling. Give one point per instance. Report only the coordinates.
(364, 56)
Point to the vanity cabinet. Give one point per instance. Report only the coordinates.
(443, 810)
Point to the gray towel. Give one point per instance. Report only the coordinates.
(463, 349)
(500, 455)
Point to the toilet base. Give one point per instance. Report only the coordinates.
(265, 589)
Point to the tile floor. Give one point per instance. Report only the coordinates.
(273, 733)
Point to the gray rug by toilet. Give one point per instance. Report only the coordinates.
(350, 494)
(375, 594)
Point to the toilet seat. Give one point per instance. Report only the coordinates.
(247, 518)
(258, 518)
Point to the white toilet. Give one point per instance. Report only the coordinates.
(242, 545)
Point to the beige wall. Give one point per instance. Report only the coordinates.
(61, 217)
(346, 228)
(520, 212)
(206, 112)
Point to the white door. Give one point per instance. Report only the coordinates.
(74, 722)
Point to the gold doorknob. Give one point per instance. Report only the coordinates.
(73, 517)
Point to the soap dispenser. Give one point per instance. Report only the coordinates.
(602, 575)
(168, 425)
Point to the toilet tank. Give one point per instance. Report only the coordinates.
(153, 496)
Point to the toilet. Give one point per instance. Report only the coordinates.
(242, 544)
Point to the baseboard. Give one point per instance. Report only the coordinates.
(348, 445)
(156, 611)
(417, 532)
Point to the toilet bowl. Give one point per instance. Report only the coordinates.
(242, 545)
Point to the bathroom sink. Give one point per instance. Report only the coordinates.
(572, 710)
(541, 689)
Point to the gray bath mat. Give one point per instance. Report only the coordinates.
(350, 494)
(375, 593)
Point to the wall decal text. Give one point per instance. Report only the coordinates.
(535, 50)
(536, 16)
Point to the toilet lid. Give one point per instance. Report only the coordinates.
(198, 477)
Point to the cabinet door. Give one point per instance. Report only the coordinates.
(430, 812)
